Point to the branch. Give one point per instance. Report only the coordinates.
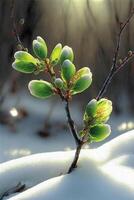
(125, 61)
(114, 69)
(65, 99)
(15, 31)
(77, 154)
(71, 123)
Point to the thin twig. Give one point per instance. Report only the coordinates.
(15, 31)
(67, 109)
(79, 143)
(114, 64)
(125, 61)
(71, 123)
(114, 69)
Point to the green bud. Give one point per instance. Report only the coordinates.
(91, 108)
(24, 67)
(24, 56)
(41, 89)
(82, 84)
(58, 83)
(67, 70)
(66, 53)
(40, 48)
(99, 132)
(55, 55)
(103, 111)
(82, 80)
(42, 41)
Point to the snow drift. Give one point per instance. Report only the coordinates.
(106, 172)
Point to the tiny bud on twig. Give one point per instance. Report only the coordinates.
(130, 53)
(19, 47)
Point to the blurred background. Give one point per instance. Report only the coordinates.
(90, 27)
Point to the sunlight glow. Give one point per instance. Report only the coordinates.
(19, 152)
(13, 112)
(97, 1)
(126, 126)
(121, 174)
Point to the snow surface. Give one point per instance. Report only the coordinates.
(103, 173)
(26, 141)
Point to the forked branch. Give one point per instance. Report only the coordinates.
(115, 68)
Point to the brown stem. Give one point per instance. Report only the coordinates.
(76, 157)
(71, 123)
(78, 141)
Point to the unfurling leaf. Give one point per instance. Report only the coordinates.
(67, 70)
(81, 72)
(58, 83)
(40, 48)
(66, 53)
(82, 84)
(103, 111)
(98, 112)
(41, 89)
(24, 56)
(99, 132)
(24, 67)
(82, 80)
(55, 55)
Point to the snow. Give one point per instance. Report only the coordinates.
(22, 143)
(26, 141)
(105, 171)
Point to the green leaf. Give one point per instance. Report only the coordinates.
(99, 132)
(91, 108)
(58, 83)
(24, 67)
(81, 84)
(66, 53)
(41, 89)
(55, 55)
(103, 111)
(67, 70)
(25, 56)
(81, 72)
(81, 80)
(40, 48)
